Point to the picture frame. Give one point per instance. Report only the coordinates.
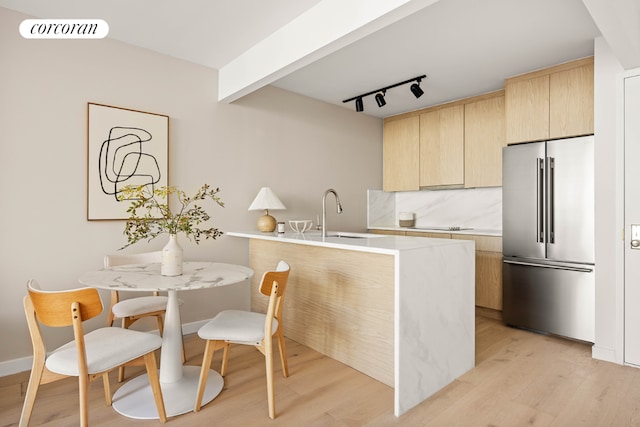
(124, 147)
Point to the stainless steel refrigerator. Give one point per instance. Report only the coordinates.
(548, 237)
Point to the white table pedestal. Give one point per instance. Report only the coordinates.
(179, 383)
(135, 399)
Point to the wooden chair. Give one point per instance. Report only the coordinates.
(249, 328)
(89, 355)
(133, 309)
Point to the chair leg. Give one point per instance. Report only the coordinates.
(83, 385)
(110, 318)
(125, 325)
(225, 359)
(154, 380)
(268, 357)
(32, 390)
(283, 354)
(107, 388)
(209, 349)
(160, 324)
(184, 350)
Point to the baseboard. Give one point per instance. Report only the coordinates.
(15, 366)
(606, 354)
(489, 312)
(22, 364)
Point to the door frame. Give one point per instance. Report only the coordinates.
(631, 260)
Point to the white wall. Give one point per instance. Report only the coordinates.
(609, 207)
(297, 146)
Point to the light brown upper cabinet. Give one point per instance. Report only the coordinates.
(442, 147)
(571, 101)
(484, 137)
(401, 151)
(555, 102)
(454, 145)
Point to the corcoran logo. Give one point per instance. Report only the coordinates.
(64, 29)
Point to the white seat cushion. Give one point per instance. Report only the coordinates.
(243, 327)
(106, 348)
(139, 305)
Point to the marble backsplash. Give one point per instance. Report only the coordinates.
(479, 208)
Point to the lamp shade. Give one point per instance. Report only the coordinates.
(266, 199)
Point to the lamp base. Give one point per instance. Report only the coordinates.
(266, 223)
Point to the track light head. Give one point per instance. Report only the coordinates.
(416, 90)
(380, 93)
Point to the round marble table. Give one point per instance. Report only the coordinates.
(179, 383)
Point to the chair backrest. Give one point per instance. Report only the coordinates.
(53, 308)
(277, 279)
(279, 275)
(139, 258)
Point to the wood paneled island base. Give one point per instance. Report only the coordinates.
(399, 309)
(338, 302)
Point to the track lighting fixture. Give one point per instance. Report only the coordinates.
(415, 88)
(380, 99)
(380, 93)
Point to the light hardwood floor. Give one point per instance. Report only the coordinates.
(520, 379)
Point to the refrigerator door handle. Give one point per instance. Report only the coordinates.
(540, 200)
(551, 238)
(557, 267)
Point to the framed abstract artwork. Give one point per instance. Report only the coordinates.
(124, 147)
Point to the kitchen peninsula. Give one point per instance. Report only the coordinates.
(399, 309)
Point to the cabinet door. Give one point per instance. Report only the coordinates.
(527, 109)
(484, 137)
(401, 154)
(571, 102)
(442, 147)
(489, 280)
(488, 269)
(387, 232)
(427, 234)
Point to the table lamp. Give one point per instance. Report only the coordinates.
(266, 199)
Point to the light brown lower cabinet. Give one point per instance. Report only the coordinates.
(388, 232)
(427, 234)
(488, 264)
(488, 269)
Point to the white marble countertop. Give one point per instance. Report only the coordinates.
(433, 308)
(473, 231)
(374, 243)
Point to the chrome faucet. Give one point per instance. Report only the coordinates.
(324, 209)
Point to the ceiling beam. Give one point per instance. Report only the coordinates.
(619, 23)
(325, 28)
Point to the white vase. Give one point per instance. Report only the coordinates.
(171, 258)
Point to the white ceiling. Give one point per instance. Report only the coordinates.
(465, 47)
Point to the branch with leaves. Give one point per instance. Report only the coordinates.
(150, 214)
